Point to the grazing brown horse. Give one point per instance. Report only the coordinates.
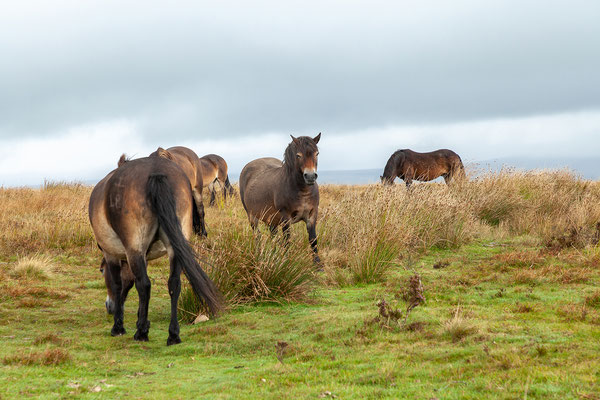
(409, 165)
(214, 170)
(139, 212)
(189, 162)
(283, 193)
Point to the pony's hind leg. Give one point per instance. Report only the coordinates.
(114, 269)
(199, 226)
(138, 265)
(174, 291)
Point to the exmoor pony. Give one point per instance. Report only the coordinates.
(138, 212)
(283, 193)
(409, 165)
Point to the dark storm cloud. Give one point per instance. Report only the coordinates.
(202, 70)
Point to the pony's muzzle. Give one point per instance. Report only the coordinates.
(310, 177)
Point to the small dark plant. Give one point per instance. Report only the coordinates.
(415, 294)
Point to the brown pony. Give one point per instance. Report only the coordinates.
(283, 193)
(214, 170)
(139, 212)
(189, 162)
(409, 165)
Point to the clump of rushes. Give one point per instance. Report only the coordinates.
(247, 268)
(373, 265)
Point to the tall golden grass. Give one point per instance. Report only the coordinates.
(363, 230)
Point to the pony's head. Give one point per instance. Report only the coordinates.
(390, 172)
(301, 157)
(126, 279)
(110, 297)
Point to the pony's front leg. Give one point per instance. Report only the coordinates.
(311, 227)
(285, 229)
(114, 268)
(143, 286)
(174, 291)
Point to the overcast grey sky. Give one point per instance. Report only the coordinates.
(83, 81)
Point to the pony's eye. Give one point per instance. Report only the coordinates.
(317, 153)
(299, 155)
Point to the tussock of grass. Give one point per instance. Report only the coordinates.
(593, 300)
(39, 267)
(249, 268)
(458, 327)
(48, 338)
(54, 356)
(372, 266)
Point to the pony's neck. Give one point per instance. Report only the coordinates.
(391, 168)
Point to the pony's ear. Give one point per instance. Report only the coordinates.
(164, 153)
(317, 138)
(295, 140)
(122, 160)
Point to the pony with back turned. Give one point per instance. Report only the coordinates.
(138, 212)
(283, 193)
(409, 165)
(214, 170)
(190, 164)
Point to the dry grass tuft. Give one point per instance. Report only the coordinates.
(458, 327)
(35, 267)
(593, 300)
(48, 338)
(55, 356)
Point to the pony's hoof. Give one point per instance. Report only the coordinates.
(319, 264)
(117, 331)
(173, 340)
(141, 337)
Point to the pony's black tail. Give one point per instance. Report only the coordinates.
(162, 200)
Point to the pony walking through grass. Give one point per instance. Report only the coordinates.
(214, 170)
(283, 193)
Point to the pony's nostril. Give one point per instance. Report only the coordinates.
(316, 176)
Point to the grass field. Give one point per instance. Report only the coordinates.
(509, 266)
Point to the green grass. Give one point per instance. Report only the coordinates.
(525, 338)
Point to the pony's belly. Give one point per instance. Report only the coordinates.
(270, 217)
